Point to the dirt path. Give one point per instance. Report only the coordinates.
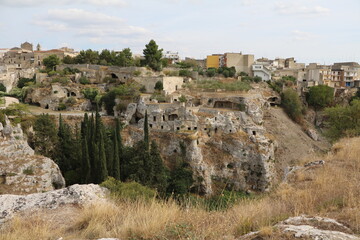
(293, 144)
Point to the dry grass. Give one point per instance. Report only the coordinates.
(329, 191)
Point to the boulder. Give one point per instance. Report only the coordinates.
(74, 195)
(313, 134)
(305, 227)
(21, 171)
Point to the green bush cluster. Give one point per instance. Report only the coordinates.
(84, 80)
(185, 73)
(132, 191)
(61, 80)
(25, 82)
(2, 88)
(292, 104)
(320, 96)
(343, 121)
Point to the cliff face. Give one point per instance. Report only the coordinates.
(21, 171)
(226, 146)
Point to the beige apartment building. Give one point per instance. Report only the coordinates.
(241, 62)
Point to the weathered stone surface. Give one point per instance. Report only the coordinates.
(22, 171)
(316, 228)
(226, 143)
(304, 227)
(313, 134)
(73, 195)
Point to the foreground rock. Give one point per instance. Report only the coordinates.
(303, 227)
(21, 171)
(74, 195)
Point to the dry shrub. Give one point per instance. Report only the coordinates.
(28, 228)
(126, 219)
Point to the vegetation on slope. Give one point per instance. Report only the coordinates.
(331, 190)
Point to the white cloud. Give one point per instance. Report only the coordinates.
(247, 2)
(302, 36)
(91, 25)
(296, 9)
(36, 3)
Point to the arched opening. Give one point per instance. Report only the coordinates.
(73, 94)
(113, 76)
(173, 117)
(47, 106)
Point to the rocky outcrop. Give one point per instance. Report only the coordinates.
(226, 143)
(74, 195)
(21, 171)
(304, 227)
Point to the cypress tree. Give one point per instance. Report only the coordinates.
(103, 173)
(159, 173)
(86, 167)
(91, 146)
(109, 149)
(120, 148)
(146, 132)
(116, 167)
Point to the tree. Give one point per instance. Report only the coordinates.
(153, 55)
(45, 138)
(159, 86)
(160, 175)
(2, 88)
(116, 167)
(292, 104)
(68, 60)
(343, 121)
(146, 132)
(211, 72)
(320, 96)
(51, 62)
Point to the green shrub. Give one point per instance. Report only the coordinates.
(61, 80)
(343, 121)
(131, 191)
(292, 104)
(24, 82)
(84, 80)
(211, 72)
(320, 96)
(52, 73)
(257, 79)
(28, 171)
(2, 88)
(159, 86)
(61, 107)
(71, 101)
(90, 93)
(182, 98)
(137, 73)
(185, 73)
(68, 71)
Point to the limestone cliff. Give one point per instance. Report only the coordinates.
(226, 143)
(21, 171)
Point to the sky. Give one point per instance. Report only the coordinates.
(322, 31)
